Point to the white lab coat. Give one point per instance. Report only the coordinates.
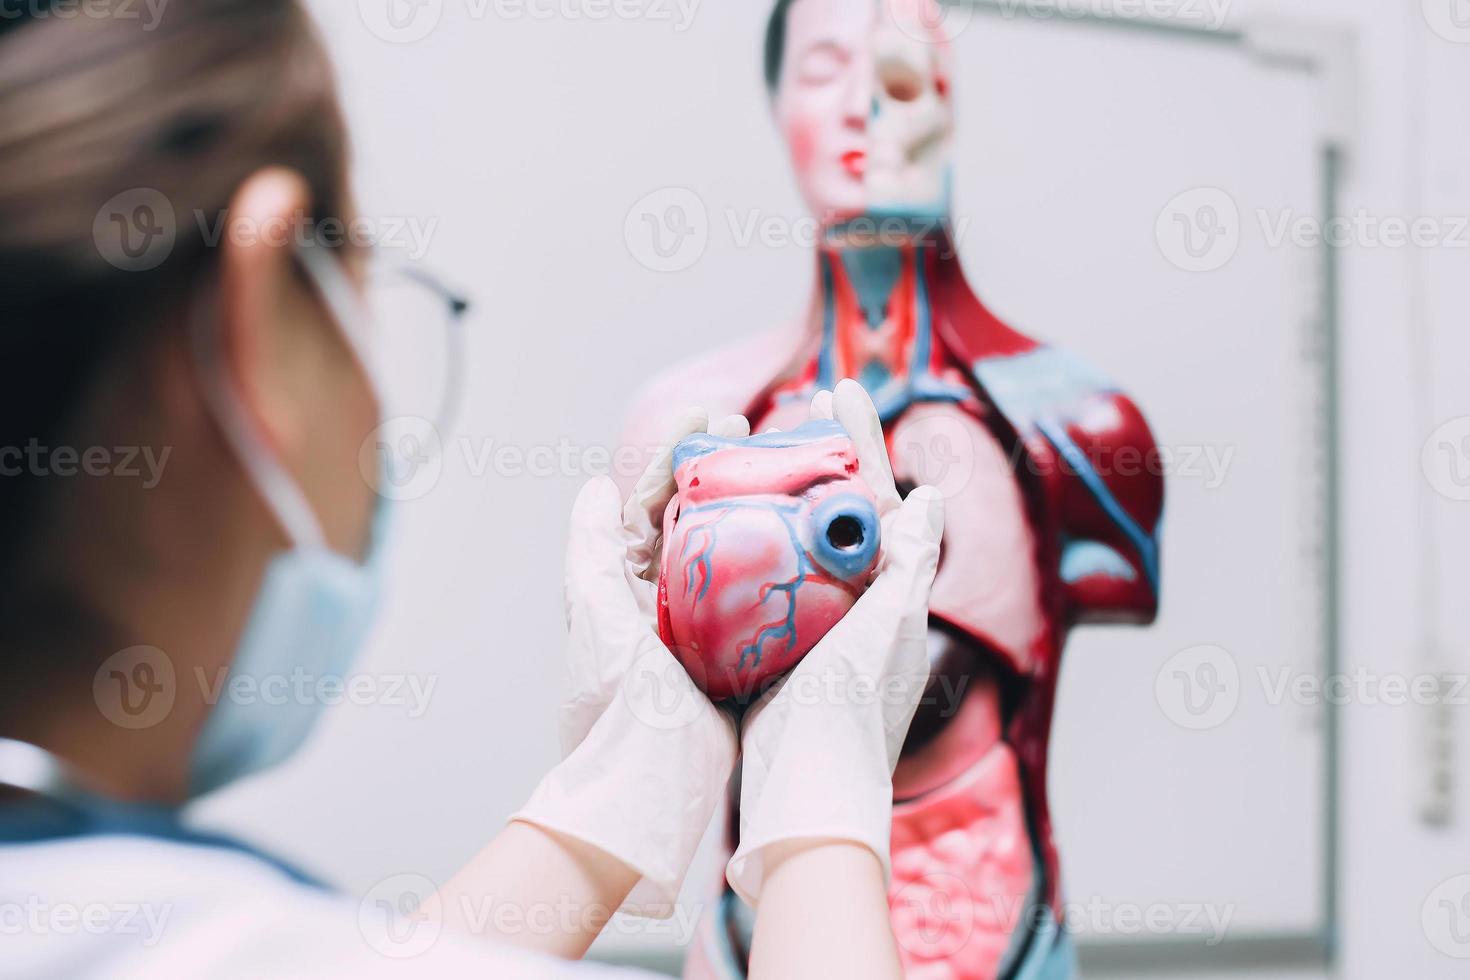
(131, 906)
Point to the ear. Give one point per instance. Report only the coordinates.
(262, 301)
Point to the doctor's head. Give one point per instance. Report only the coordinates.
(156, 316)
(860, 90)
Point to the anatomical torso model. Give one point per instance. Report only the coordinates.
(1049, 474)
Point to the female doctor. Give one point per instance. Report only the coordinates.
(254, 551)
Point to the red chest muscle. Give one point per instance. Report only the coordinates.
(988, 583)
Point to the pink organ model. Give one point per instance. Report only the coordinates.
(769, 541)
(1053, 493)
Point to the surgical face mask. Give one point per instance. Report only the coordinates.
(314, 607)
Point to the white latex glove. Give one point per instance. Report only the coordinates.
(821, 747)
(648, 755)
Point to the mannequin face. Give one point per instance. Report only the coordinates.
(863, 102)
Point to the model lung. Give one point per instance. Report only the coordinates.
(767, 544)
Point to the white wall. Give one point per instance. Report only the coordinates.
(529, 141)
(1392, 861)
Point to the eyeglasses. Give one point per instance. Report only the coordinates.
(411, 341)
(416, 350)
(419, 344)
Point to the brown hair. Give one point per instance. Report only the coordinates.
(104, 103)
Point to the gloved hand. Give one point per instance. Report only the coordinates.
(821, 747)
(648, 756)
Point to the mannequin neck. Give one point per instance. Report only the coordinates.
(874, 307)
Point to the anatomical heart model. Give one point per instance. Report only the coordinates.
(768, 542)
(1045, 529)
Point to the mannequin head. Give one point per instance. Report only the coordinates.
(860, 90)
